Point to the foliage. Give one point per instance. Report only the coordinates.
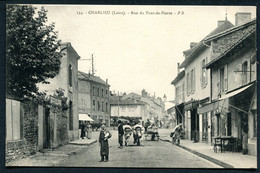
(32, 45)
(44, 100)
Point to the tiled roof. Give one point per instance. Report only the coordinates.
(90, 77)
(246, 29)
(200, 46)
(223, 33)
(178, 77)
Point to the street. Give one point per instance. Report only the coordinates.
(155, 154)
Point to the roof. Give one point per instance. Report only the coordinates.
(236, 41)
(178, 77)
(200, 46)
(127, 102)
(90, 77)
(67, 45)
(228, 31)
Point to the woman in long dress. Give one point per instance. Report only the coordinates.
(103, 142)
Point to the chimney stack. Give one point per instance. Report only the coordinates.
(220, 22)
(242, 18)
(106, 80)
(178, 67)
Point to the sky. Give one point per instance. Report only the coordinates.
(134, 47)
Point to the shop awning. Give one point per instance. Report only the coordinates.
(207, 108)
(234, 92)
(85, 117)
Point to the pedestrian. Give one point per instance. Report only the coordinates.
(245, 138)
(176, 134)
(120, 134)
(103, 143)
(127, 133)
(83, 133)
(89, 131)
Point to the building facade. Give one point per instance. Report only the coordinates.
(197, 90)
(67, 80)
(233, 72)
(94, 98)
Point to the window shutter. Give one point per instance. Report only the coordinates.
(194, 80)
(225, 77)
(206, 71)
(218, 81)
(187, 86)
(248, 71)
(201, 73)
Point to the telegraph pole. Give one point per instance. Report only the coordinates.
(92, 63)
(93, 69)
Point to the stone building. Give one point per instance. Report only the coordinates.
(33, 126)
(233, 74)
(94, 97)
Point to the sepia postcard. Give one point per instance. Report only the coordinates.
(131, 86)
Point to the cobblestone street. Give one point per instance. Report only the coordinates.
(158, 154)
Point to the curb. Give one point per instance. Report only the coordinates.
(211, 159)
(87, 144)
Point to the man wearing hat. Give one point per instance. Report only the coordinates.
(103, 143)
(120, 134)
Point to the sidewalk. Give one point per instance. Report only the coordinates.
(52, 157)
(226, 160)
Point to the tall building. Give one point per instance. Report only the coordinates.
(94, 97)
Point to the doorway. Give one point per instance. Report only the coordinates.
(46, 129)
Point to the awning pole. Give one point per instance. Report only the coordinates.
(238, 109)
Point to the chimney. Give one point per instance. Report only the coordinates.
(192, 44)
(143, 92)
(178, 67)
(106, 80)
(242, 18)
(220, 22)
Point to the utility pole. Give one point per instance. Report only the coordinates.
(92, 63)
(93, 69)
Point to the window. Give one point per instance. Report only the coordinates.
(183, 92)
(14, 121)
(102, 91)
(203, 73)
(222, 80)
(188, 83)
(70, 115)
(106, 107)
(244, 73)
(191, 82)
(93, 90)
(98, 106)
(70, 75)
(97, 91)
(94, 105)
(102, 106)
(106, 92)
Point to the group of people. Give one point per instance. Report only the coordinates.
(86, 130)
(125, 132)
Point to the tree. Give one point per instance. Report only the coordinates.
(32, 50)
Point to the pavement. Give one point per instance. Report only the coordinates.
(153, 154)
(226, 159)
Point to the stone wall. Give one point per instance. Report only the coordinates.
(27, 145)
(62, 128)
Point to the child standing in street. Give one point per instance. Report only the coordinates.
(103, 143)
